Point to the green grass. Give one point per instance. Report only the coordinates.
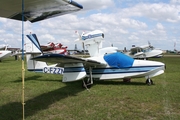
(47, 98)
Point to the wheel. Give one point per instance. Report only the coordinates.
(149, 81)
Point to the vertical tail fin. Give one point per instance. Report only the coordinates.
(33, 38)
(33, 49)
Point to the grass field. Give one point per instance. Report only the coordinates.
(47, 98)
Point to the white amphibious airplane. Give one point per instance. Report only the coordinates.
(4, 53)
(145, 51)
(103, 63)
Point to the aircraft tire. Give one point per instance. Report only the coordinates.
(149, 82)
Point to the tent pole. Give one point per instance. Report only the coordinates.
(23, 70)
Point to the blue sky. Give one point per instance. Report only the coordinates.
(124, 23)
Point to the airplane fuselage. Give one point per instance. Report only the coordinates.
(140, 68)
(103, 63)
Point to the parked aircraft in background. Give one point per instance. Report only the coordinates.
(4, 53)
(51, 47)
(175, 50)
(54, 48)
(3, 47)
(103, 63)
(145, 51)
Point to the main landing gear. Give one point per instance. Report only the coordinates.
(149, 81)
(87, 82)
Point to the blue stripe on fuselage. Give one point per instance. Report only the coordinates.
(73, 69)
(35, 70)
(109, 70)
(124, 70)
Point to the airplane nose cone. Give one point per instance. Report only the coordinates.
(158, 64)
(156, 52)
(147, 63)
(152, 68)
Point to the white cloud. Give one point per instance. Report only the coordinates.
(3, 20)
(175, 1)
(132, 23)
(156, 11)
(160, 26)
(133, 37)
(2, 31)
(123, 26)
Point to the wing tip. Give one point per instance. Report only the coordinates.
(76, 4)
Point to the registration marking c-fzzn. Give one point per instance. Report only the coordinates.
(53, 70)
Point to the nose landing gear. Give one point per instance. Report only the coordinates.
(149, 82)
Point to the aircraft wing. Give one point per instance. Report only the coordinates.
(36, 10)
(66, 59)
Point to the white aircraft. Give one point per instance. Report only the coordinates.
(3, 47)
(145, 51)
(4, 53)
(103, 63)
